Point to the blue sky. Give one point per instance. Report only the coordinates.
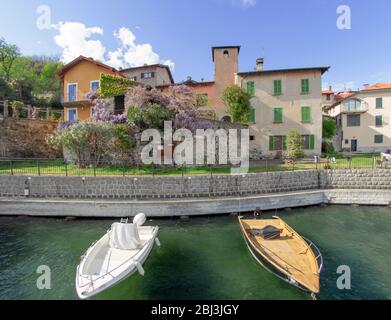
(287, 33)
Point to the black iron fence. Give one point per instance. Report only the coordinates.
(60, 167)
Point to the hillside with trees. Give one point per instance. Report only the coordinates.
(29, 79)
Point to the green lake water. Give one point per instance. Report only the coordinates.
(202, 258)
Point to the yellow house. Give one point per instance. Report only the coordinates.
(78, 78)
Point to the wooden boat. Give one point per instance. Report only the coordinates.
(118, 254)
(282, 251)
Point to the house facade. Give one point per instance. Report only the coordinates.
(283, 100)
(152, 75)
(82, 76)
(78, 78)
(363, 120)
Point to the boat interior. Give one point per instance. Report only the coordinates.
(104, 257)
(288, 251)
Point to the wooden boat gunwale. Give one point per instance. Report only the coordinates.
(280, 272)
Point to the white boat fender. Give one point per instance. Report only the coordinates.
(157, 242)
(140, 268)
(139, 219)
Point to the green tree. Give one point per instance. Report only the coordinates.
(150, 116)
(8, 54)
(238, 103)
(329, 130)
(294, 144)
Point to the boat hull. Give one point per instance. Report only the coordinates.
(270, 268)
(129, 271)
(290, 257)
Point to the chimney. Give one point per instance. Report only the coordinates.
(259, 64)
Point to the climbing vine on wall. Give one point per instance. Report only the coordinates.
(111, 86)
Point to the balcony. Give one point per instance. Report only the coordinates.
(353, 106)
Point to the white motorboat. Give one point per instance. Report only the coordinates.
(118, 254)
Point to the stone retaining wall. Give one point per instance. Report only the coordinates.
(149, 188)
(356, 179)
(158, 187)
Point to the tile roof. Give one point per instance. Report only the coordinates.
(260, 72)
(74, 62)
(377, 86)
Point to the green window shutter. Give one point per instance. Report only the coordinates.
(251, 116)
(271, 143)
(312, 142)
(250, 88)
(284, 143)
(277, 115)
(277, 87)
(305, 86)
(379, 103)
(305, 114)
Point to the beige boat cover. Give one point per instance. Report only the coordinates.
(124, 236)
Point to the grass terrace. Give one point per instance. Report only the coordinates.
(45, 167)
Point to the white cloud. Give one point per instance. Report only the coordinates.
(133, 54)
(74, 39)
(169, 63)
(115, 58)
(248, 3)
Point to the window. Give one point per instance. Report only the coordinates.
(379, 103)
(227, 119)
(277, 143)
(305, 114)
(251, 116)
(346, 141)
(328, 97)
(277, 87)
(202, 99)
(277, 115)
(353, 120)
(147, 75)
(133, 78)
(379, 121)
(378, 138)
(352, 105)
(226, 54)
(250, 87)
(94, 85)
(305, 86)
(72, 115)
(92, 112)
(119, 104)
(252, 138)
(72, 92)
(309, 142)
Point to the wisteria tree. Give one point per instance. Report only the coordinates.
(180, 101)
(102, 112)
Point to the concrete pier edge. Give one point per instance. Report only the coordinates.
(88, 208)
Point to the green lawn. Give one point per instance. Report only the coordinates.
(58, 168)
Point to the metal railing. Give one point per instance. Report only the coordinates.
(60, 167)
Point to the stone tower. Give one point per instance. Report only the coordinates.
(225, 60)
